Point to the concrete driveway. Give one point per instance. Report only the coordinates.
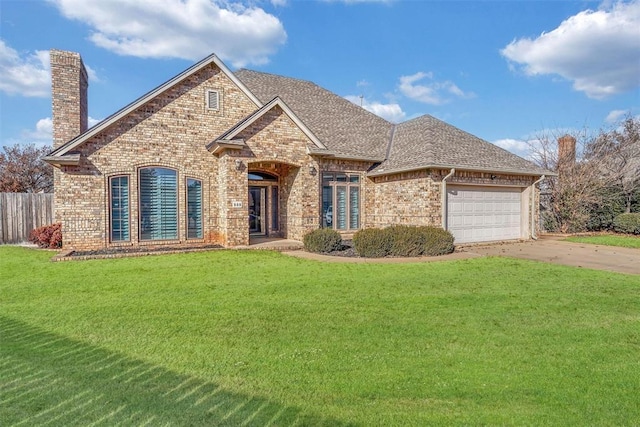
(557, 251)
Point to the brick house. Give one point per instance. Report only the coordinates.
(213, 156)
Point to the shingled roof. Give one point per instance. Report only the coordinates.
(347, 129)
(428, 142)
(342, 126)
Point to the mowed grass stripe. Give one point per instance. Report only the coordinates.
(621, 240)
(482, 341)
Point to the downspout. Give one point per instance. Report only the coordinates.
(533, 207)
(444, 198)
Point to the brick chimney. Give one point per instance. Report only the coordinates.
(68, 96)
(566, 151)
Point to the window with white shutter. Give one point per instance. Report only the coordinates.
(213, 100)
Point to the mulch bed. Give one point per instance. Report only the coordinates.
(347, 250)
(122, 252)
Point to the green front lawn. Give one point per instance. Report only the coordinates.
(622, 240)
(257, 338)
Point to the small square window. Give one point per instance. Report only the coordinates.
(213, 100)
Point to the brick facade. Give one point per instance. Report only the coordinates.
(406, 198)
(173, 129)
(170, 131)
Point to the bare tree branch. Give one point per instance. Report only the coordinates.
(23, 171)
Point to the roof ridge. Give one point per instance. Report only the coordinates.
(393, 133)
(277, 75)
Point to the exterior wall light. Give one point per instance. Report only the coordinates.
(238, 164)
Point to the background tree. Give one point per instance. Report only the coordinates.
(596, 182)
(567, 200)
(618, 152)
(23, 171)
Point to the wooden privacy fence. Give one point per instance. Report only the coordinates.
(22, 212)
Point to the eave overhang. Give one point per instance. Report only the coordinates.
(218, 146)
(72, 159)
(340, 156)
(382, 172)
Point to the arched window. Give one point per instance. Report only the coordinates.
(158, 204)
(262, 176)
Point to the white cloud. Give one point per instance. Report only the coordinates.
(92, 122)
(26, 75)
(279, 3)
(516, 146)
(391, 112)
(91, 73)
(429, 91)
(42, 133)
(597, 50)
(615, 116)
(30, 74)
(187, 29)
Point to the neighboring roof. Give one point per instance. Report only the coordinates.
(343, 127)
(54, 156)
(428, 142)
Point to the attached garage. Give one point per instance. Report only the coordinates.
(482, 214)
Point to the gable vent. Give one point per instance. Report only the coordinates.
(213, 100)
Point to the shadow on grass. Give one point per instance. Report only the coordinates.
(47, 379)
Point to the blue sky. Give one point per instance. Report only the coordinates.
(506, 71)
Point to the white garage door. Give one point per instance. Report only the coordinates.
(483, 214)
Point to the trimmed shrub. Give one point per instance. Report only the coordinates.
(406, 240)
(627, 223)
(322, 240)
(47, 236)
(437, 241)
(403, 240)
(372, 242)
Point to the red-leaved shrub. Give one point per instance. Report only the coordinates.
(47, 236)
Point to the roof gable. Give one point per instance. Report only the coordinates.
(232, 133)
(56, 155)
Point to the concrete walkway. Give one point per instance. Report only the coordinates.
(550, 249)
